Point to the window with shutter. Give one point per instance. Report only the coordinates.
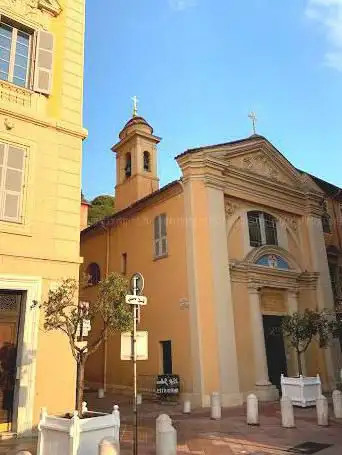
(15, 54)
(44, 62)
(262, 229)
(12, 161)
(160, 236)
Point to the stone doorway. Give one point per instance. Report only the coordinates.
(10, 312)
(275, 349)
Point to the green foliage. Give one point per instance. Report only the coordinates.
(301, 328)
(101, 207)
(63, 312)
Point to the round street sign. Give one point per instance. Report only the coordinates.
(137, 282)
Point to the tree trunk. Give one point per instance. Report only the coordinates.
(299, 360)
(80, 385)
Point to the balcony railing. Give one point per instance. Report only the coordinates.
(10, 93)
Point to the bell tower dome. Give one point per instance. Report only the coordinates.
(136, 162)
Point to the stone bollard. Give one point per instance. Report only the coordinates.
(287, 417)
(252, 410)
(139, 399)
(215, 406)
(322, 411)
(109, 446)
(23, 452)
(187, 407)
(100, 393)
(337, 403)
(166, 436)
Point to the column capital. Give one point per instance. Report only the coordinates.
(293, 292)
(253, 289)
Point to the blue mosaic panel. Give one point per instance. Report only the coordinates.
(271, 260)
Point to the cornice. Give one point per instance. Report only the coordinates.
(134, 134)
(59, 125)
(258, 276)
(51, 6)
(33, 13)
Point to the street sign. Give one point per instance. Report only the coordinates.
(136, 299)
(141, 346)
(86, 327)
(137, 283)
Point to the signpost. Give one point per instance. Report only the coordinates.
(137, 300)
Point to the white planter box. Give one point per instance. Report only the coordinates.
(302, 391)
(76, 436)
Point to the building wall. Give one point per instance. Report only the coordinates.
(165, 286)
(45, 243)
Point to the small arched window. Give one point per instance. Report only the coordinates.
(128, 165)
(147, 162)
(262, 229)
(93, 274)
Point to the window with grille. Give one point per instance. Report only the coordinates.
(262, 229)
(160, 236)
(12, 162)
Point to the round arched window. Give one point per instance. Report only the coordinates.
(93, 274)
(128, 165)
(147, 162)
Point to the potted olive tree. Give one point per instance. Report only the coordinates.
(300, 329)
(80, 432)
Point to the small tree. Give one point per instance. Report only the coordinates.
(301, 328)
(64, 313)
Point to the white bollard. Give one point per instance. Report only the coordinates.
(84, 407)
(23, 452)
(322, 411)
(117, 422)
(287, 417)
(187, 407)
(166, 436)
(337, 403)
(139, 399)
(252, 410)
(108, 446)
(215, 406)
(100, 393)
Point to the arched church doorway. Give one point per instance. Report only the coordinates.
(273, 310)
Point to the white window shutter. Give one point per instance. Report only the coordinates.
(13, 176)
(44, 62)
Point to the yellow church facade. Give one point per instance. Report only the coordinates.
(226, 252)
(41, 91)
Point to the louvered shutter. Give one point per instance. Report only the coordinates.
(44, 62)
(163, 234)
(157, 236)
(12, 183)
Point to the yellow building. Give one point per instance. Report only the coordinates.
(41, 85)
(226, 252)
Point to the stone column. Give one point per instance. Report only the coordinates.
(324, 291)
(265, 391)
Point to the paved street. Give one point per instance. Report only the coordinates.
(198, 435)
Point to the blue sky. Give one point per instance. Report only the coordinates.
(199, 67)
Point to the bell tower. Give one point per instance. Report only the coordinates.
(136, 161)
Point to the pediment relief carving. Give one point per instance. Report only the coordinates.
(259, 163)
(37, 12)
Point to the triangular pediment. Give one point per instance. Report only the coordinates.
(257, 157)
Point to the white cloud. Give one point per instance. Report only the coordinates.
(328, 14)
(181, 5)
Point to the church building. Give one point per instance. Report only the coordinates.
(226, 251)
